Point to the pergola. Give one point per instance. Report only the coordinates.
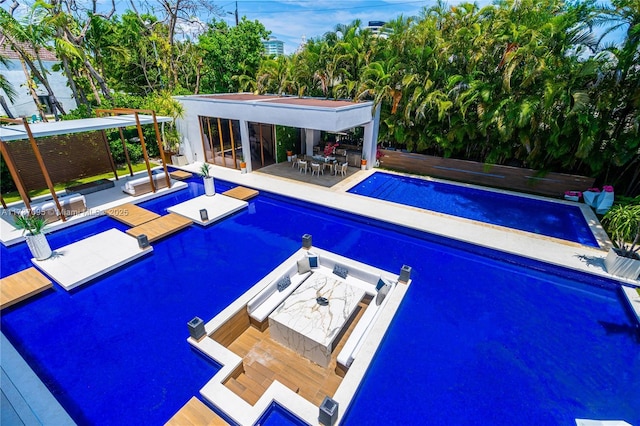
(107, 119)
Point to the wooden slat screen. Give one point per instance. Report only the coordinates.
(505, 177)
(67, 157)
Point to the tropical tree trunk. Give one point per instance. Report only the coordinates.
(3, 103)
(96, 95)
(99, 79)
(79, 97)
(32, 91)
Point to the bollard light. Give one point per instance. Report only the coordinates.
(143, 241)
(196, 328)
(405, 274)
(306, 241)
(204, 216)
(328, 412)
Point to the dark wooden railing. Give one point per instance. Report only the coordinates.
(504, 177)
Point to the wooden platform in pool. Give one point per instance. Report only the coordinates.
(131, 215)
(21, 286)
(161, 227)
(180, 175)
(195, 413)
(241, 193)
(82, 261)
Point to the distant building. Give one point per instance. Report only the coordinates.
(273, 47)
(376, 28)
(23, 105)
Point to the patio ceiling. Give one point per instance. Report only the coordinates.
(18, 132)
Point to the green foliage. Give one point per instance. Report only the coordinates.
(286, 139)
(32, 225)
(622, 222)
(230, 51)
(6, 182)
(205, 170)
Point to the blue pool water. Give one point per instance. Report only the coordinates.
(481, 337)
(526, 214)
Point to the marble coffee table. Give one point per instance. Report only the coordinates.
(311, 318)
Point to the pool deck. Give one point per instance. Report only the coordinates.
(547, 249)
(97, 203)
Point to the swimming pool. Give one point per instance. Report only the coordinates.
(526, 214)
(482, 336)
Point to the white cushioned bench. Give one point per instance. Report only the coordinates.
(142, 185)
(269, 298)
(71, 204)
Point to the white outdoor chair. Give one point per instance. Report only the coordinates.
(302, 165)
(315, 168)
(343, 169)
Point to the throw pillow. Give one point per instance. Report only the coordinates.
(303, 265)
(340, 271)
(284, 282)
(382, 293)
(313, 260)
(381, 283)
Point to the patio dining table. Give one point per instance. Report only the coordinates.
(327, 162)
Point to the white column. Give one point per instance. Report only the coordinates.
(370, 143)
(312, 138)
(246, 143)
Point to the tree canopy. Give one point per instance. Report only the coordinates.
(526, 83)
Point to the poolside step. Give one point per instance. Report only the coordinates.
(244, 390)
(195, 413)
(22, 285)
(267, 372)
(161, 227)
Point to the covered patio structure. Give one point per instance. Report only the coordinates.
(210, 124)
(20, 129)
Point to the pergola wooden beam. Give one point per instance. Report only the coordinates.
(136, 112)
(43, 168)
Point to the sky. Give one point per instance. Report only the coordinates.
(290, 20)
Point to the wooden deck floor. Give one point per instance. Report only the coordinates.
(265, 360)
(22, 285)
(161, 227)
(131, 215)
(195, 413)
(241, 193)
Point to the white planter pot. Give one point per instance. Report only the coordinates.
(243, 170)
(209, 187)
(39, 246)
(622, 266)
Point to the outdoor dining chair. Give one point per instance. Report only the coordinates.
(315, 168)
(343, 169)
(302, 165)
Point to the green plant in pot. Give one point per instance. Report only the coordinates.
(33, 230)
(207, 178)
(623, 225)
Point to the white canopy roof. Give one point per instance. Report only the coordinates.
(18, 132)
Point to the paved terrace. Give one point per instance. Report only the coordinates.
(533, 246)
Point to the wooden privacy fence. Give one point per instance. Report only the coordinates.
(68, 157)
(505, 177)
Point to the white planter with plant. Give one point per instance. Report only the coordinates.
(33, 229)
(623, 224)
(209, 185)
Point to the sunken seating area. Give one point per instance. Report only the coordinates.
(142, 185)
(259, 368)
(71, 204)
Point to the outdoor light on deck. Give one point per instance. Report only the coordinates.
(328, 412)
(204, 216)
(143, 241)
(405, 274)
(306, 241)
(196, 328)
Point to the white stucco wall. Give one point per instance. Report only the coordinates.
(303, 117)
(23, 104)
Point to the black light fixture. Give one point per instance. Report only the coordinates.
(405, 274)
(328, 412)
(306, 241)
(204, 216)
(143, 241)
(196, 328)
